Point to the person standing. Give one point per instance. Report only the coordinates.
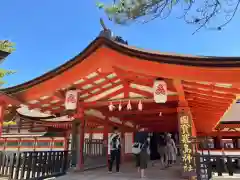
(162, 150)
(115, 150)
(171, 149)
(143, 156)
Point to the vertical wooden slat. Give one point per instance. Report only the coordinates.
(3, 163)
(23, 165)
(12, 164)
(57, 162)
(17, 165)
(230, 166)
(49, 163)
(29, 165)
(34, 163)
(219, 165)
(61, 160)
(39, 161)
(45, 156)
(6, 165)
(53, 161)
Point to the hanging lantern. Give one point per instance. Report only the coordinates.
(129, 106)
(140, 106)
(120, 106)
(71, 100)
(160, 91)
(111, 106)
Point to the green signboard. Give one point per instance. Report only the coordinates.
(7, 46)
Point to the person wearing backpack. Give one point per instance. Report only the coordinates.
(115, 150)
(142, 152)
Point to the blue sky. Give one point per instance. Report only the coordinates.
(48, 33)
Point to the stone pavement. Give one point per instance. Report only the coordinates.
(128, 172)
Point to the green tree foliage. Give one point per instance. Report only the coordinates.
(212, 14)
(4, 73)
(8, 47)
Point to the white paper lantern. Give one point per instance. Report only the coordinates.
(160, 91)
(71, 99)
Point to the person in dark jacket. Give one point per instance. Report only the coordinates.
(115, 149)
(162, 149)
(143, 156)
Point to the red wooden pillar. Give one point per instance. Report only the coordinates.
(123, 145)
(66, 141)
(82, 138)
(52, 143)
(105, 140)
(5, 144)
(2, 112)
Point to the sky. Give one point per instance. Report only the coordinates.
(48, 33)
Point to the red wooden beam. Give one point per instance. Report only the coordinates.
(181, 94)
(141, 92)
(222, 133)
(212, 103)
(210, 93)
(211, 87)
(209, 105)
(141, 79)
(192, 96)
(103, 90)
(156, 118)
(147, 111)
(222, 126)
(9, 100)
(124, 101)
(115, 93)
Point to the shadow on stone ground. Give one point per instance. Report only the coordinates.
(128, 172)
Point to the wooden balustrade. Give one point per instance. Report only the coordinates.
(208, 166)
(95, 153)
(33, 165)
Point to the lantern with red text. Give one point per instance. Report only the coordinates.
(71, 99)
(160, 91)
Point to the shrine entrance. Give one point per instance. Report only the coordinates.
(110, 84)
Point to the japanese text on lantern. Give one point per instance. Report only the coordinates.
(160, 90)
(71, 98)
(185, 140)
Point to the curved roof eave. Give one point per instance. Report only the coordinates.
(3, 55)
(198, 61)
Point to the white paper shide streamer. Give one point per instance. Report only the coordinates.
(129, 106)
(140, 106)
(111, 107)
(120, 106)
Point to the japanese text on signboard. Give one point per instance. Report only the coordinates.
(187, 158)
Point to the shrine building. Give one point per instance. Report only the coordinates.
(111, 83)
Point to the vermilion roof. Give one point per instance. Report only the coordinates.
(186, 60)
(208, 83)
